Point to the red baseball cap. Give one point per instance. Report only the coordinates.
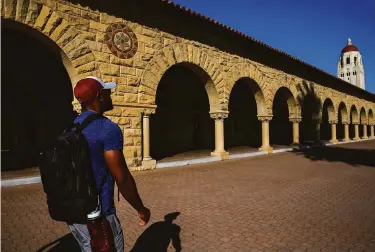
(89, 88)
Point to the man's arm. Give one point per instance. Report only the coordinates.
(125, 182)
(113, 144)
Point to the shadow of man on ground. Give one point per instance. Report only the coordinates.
(157, 237)
(63, 244)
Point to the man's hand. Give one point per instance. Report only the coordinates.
(144, 214)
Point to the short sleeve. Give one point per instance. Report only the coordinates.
(113, 139)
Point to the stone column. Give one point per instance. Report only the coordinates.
(365, 131)
(356, 130)
(265, 133)
(295, 122)
(147, 161)
(372, 131)
(219, 135)
(76, 106)
(333, 131)
(346, 131)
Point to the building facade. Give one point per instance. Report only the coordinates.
(186, 83)
(350, 67)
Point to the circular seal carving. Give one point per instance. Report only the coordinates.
(121, 40)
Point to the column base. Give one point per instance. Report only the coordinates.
(346, 139)
(295, 145)
(149, 163)
(269, 149)
(333, 141)
(365, 137)
(222, 154)
(356, 138)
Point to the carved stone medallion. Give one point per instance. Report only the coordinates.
(121, 40)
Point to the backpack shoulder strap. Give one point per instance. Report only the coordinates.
(88, 120)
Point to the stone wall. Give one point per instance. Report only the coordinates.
(83, 34)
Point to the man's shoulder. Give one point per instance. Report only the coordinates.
(110, 126)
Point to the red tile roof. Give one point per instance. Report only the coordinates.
(350, 48)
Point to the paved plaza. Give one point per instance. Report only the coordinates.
(316, 200)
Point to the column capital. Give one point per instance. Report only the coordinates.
(355, 123)
(265, 118)
(147, 111)
(333, 121)
(76, 106)
(295, 119)
(365, 123)
(219, 115)
(345, 122)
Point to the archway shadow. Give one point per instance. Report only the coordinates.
(63, 244)
(354, 157)
(310, 105)
(157, 237)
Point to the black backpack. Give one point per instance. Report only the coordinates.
(67, 175)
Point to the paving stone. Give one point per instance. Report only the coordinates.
(283, 202)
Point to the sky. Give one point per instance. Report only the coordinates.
(313, 31)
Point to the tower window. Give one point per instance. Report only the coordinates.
(354, 73)
(348, 60)
(342, 62)
(355, 61)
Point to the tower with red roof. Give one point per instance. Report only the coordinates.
(350, 66)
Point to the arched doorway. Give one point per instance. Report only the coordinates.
(283, 107)
(328, 113)
(353, 119)
(36, 94)
(310, 112)
(342, 118)
(363, 121)
(242, 127)
(182, 122)
(370, 121)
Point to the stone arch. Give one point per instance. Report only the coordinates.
(190, 56)
(260, 90)
(76, 55)
(342, 109)
(293, 105)
(332, 115)
(363, 116)
(354, 114)
(371, 116)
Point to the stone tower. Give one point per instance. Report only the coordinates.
(350, 66)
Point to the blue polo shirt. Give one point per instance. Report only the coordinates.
(102, 135)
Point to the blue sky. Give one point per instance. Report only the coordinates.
(313, 31)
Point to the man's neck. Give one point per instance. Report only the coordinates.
(91, 109)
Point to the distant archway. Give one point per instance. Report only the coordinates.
(363, 121)
(328, 114)
(310, 116)
(284, 107)
(342, 118)
(242, 127)
(353, 119)
(182, 122)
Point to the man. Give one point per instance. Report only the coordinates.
(105, 141)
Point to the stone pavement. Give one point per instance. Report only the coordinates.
(318, 200)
